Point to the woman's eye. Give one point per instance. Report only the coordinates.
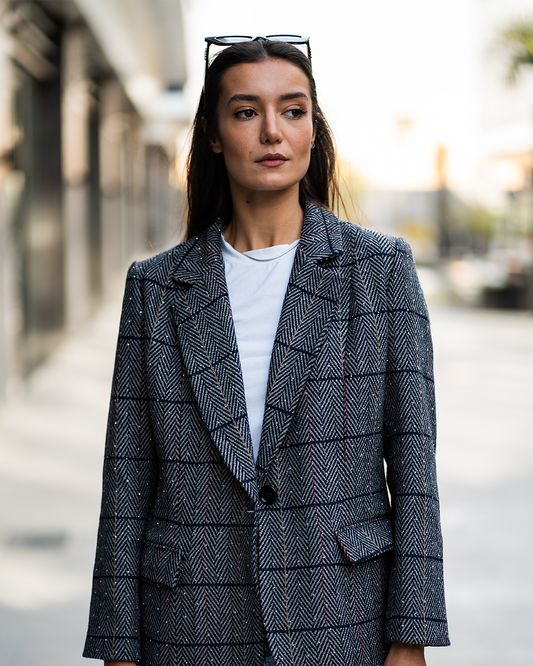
(245, 113)
(296, 113)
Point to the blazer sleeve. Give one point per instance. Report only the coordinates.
(128, 480)
(416, 610)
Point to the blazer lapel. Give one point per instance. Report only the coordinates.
(209, 347)
(310, 303)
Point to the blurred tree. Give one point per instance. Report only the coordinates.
(517, 41)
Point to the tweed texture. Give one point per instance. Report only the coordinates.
(191, 568)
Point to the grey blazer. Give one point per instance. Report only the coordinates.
(202, 553)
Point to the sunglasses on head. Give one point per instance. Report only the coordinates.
(229, 40)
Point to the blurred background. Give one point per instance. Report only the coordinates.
(432, 108)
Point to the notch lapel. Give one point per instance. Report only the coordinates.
(208, 342)
(310, 303)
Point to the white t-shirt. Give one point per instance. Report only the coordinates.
(257, 281)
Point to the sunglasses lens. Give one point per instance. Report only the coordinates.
(234, 39)
(287, 38)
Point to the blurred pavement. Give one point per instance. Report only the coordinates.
(484, 379)
(51, 448)
(51, 445)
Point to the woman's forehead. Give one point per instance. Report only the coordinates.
(264, 78)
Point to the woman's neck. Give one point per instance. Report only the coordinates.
(264, 219)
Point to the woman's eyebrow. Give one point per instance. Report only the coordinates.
(294, 95)
(240, 97)
(243, 98)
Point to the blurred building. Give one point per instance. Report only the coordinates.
(461, 190)
(91, 105)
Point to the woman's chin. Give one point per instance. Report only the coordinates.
(269, 185)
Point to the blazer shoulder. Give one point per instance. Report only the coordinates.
(369, 242)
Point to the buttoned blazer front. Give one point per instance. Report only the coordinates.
(191, 566)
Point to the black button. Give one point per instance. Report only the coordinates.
(268, 495)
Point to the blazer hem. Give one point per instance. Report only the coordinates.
(112, 648)
(417, 631)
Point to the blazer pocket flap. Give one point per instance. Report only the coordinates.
(365, 540)
(160, 564)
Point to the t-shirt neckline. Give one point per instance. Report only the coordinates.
(262, 254)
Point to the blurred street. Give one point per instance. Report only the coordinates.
(51, 444)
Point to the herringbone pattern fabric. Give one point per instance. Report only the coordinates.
(191, 569)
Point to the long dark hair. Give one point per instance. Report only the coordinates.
(208, 191)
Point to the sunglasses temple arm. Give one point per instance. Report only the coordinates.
(206, 56)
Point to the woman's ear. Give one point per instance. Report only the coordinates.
(215, 145)
(213, 142)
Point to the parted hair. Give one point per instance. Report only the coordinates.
(208, 190)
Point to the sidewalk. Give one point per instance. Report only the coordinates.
(484, 378)
(51, 446)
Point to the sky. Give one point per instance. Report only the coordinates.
(396, 80)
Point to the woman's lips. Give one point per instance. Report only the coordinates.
(272, 160)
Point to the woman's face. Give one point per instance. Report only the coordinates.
(265, 125)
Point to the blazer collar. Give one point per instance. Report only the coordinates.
(321, 234)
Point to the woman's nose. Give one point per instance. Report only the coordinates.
(270, 131)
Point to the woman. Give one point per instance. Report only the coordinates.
(266, 369)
